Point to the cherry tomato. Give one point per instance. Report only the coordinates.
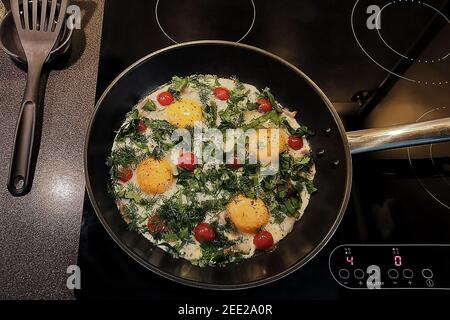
(156, 225)
(236, 164)
(295, 143)
(263, 240)
(165, 98)
(222, 93)
(203, 232)
(264, 105)
(141, 127)
(187, 161)
(125, 175)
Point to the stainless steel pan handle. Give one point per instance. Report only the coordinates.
(399, 136)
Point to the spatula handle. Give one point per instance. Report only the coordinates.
(25, 148)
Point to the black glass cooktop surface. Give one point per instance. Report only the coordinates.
(397, 197)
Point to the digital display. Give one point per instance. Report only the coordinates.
(391, 266)
(398, 261)
(349, 260)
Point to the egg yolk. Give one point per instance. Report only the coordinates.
(154, 176)
(248, 215)
(184, 113)
(265, 139)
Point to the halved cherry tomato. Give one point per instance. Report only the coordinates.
(141, 127)
(165, 98)
(125, 175)
(236, 164)
(263, 240)
(222, 93)
(295, 143)
(187, 161)
(156, 225)
(264, 105)
(204, 232)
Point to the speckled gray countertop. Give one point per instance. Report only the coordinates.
(39, 232)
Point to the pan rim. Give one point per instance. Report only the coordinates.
(204, 285)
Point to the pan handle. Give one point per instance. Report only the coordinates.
(399, 136)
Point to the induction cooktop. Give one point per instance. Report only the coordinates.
(379, 62)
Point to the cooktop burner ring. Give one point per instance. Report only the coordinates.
(173, 39)
(430, 60)
(429, 115)
(364, 47)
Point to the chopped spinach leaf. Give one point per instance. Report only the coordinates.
(238, 94)
(269, 116)
(232, 117)
(150, 106)
(210, 113)
(307, 183)
(161, 134)
(177, 86)
(302, 131)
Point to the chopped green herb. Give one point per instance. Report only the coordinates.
(216, 81)
(150, 106)
(300, 131)
(238, 94)
(269, 116)
(307, 183)
(210, 113)
(122, 157)
(136, 222)
(177, 86)
(252, 106)
(161, 134)
(232, 117)
(269, 96)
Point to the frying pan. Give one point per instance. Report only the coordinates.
(294, 90)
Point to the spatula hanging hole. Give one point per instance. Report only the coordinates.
(18, 183)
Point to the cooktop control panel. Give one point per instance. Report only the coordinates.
(399, 266)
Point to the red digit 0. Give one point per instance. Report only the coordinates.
(398, 261)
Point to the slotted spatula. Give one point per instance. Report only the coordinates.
(38, 23)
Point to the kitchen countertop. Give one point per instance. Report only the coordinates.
(39, 232)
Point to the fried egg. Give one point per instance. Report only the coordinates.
(184, 113)
(267, 139)
(154, 176)
(248, 215)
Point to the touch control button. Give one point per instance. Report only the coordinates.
(344, 274)
(358, 273)
(427, 273)
(408, 273)
(393, 274)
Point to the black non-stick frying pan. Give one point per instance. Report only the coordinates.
(294, 90)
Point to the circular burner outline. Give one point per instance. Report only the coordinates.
(431, 154)
(176, 42)
(400, 54)
(379, 64)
